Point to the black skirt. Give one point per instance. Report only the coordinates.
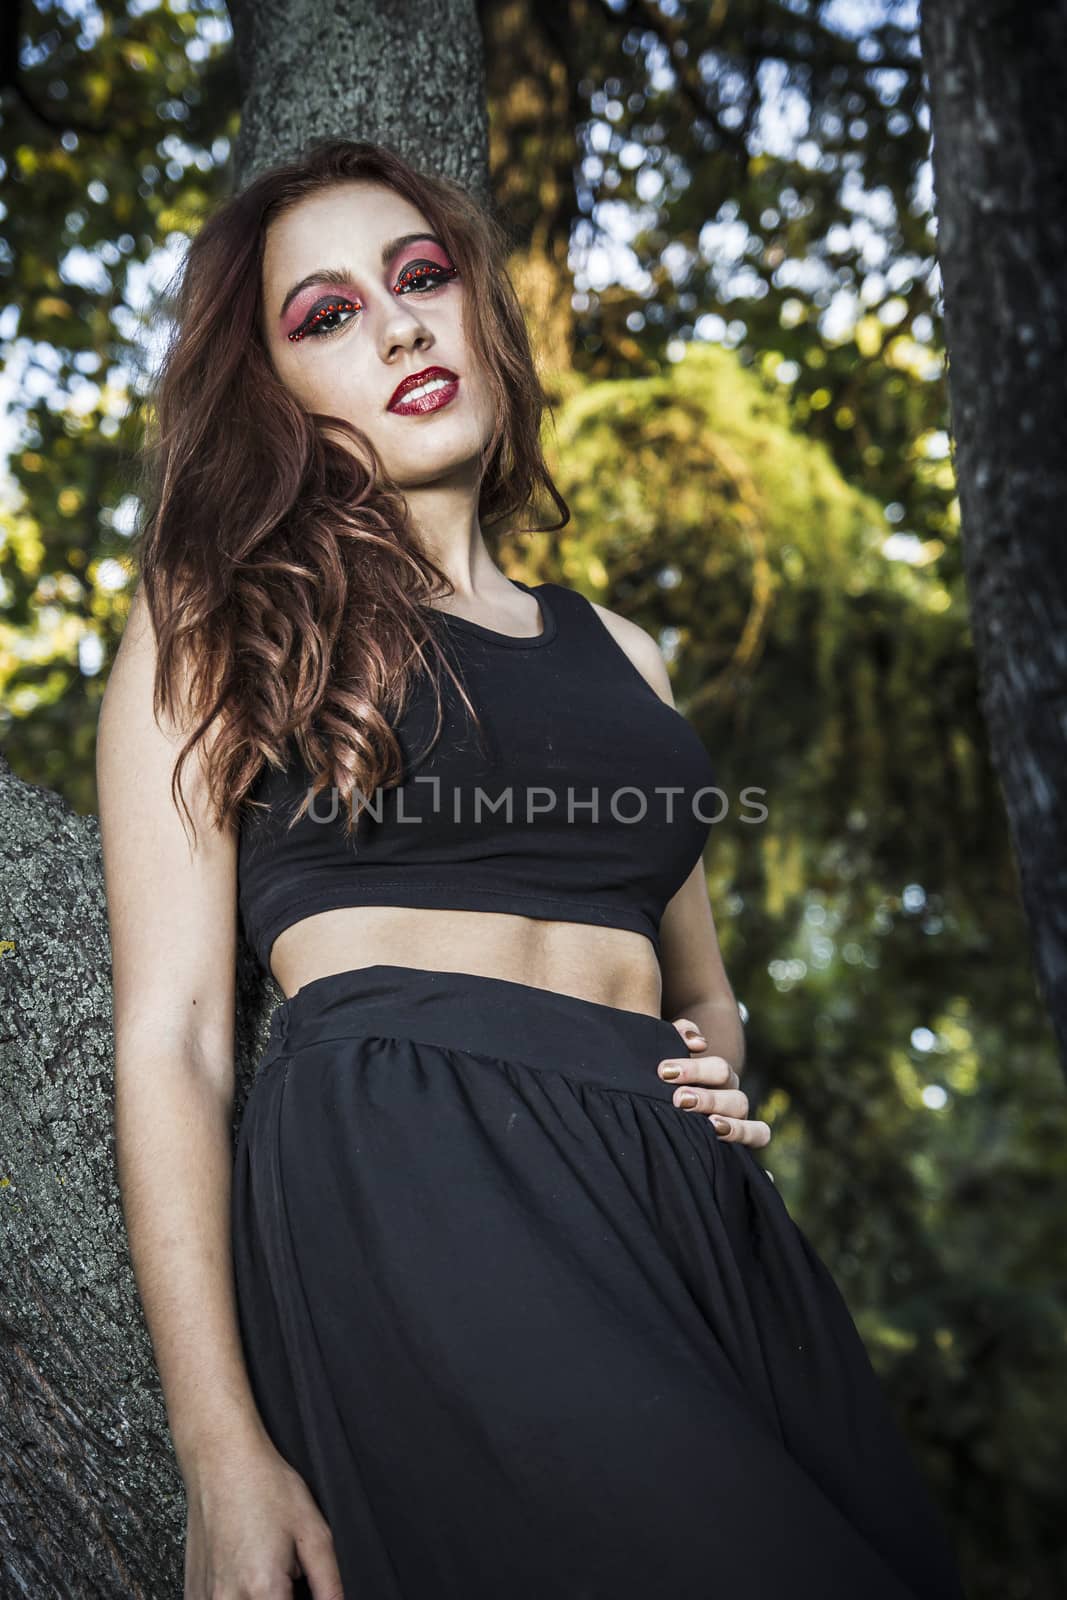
(528, 1331)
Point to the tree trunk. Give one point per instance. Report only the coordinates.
(91, 1500)
(998, 75)
(412, 76)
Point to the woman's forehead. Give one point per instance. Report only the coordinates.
(355, 219)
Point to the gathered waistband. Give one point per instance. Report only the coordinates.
(599, 1044)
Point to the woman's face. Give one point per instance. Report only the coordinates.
(358, 296)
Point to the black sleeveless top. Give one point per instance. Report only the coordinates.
(581, 798)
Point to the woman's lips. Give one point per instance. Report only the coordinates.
(440, 391)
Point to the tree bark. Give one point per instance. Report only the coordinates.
(91, 1500)
(997, 79)
(412, 76)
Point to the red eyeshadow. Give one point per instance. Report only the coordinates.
(422, 250)
(307, 298)
(419, 250)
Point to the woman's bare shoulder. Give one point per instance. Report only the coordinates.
(640, 646)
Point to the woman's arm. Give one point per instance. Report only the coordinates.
(252, 1521)
(696, 989)
(172, 915)
(695, 985)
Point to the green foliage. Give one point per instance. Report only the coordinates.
(116, 150)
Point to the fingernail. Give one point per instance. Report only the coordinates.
(686, 1099)
(721, 1124)
(697, 1038)
(670, 1072)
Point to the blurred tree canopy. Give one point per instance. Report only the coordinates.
(723, 235)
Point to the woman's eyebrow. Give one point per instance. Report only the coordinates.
(337, 277)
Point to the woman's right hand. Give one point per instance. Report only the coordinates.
(253, 1527)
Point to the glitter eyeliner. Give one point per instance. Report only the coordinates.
(413, 275)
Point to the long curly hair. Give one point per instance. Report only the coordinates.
(287, 587)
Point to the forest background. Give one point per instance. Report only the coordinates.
(726, 240)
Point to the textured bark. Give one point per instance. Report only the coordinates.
(411, 76)
(91, 1501)
(998, 79)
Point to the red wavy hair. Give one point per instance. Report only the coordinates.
(287, 588)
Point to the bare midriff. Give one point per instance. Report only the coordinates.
(610, 966)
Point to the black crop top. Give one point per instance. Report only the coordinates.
(582, 797)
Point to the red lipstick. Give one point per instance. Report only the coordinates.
(443, 387)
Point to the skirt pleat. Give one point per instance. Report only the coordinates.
(529, 1331)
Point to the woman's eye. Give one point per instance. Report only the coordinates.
(319, 324)
(423, 275)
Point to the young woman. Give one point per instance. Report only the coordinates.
(483, 1308)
